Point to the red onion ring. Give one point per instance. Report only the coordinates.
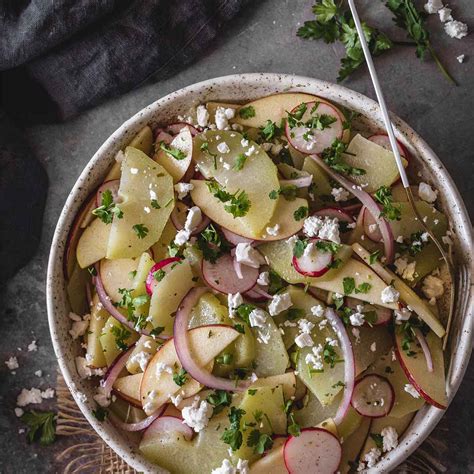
(302, 182)
(181, 343)
(114, 370)
(138, 426)
(261, 292)
(349, 364)
(369, 202)
(425, 348)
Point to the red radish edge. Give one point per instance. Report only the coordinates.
(221, 276)
(166, 424)
(150, 282)
(179, 225)
(235, 239)
(138, 426)
(383, 140)
(112, 185)
(369, 202)
(305, 266)
(349, 363)
(361, 406)
(425, 348)
(181, 342)
(111, 309)
(301, 456)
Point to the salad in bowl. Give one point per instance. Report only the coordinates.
(253, 293)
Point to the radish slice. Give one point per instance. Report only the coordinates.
(178, 218)
(383, 140)
(335, 213)
(257, 294)
(113, 186)
(373, 396)
(235, 239)
(352, 209)
(349, 363)
(313, 262)
(164, 137)
(383, 315)
(368, 201)
(302, 182)
(425, 348)
(111, 309)
(138, 426)
(167, 424)
(151, 281)
(175, 128)
(181, 343)
(314, 450)
(311, 140)
(221, 276)
(371, 228)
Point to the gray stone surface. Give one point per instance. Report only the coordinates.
(261, 40)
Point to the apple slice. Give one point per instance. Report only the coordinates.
(430, 385)
(178, 163)
(99, 316)
(115, 172)
(206, 343)
(420, 307)
(352, 445)
(144, 266)
(145, 344)
(115, 275)
(287, 381)
(143, 141)
(128, 388)
(160, 248)
(379, 164)
(272, 461)
(168, 293)
(149, 209)
(92, 245)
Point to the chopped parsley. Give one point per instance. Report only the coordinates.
(384, 196)
(294, 313)
(141, 230)
(225, 359)
(247, 112)
(270, 131)
(205, 147)
(159, 274)
(276, 282)
(41, 426)
(238, 203)
(121, 335)
(108, 209)
(378, 439)
(293, 427)
(211, 244)
(180, 378)
(301, 213)
(244, 311)
(327, 246)
(240, 162)
(363, 288)
(156, 331)
(232, 435)
(129, 302)
(174, 152)
(288, 192)
(333, 158)
(330, 355)
(299, 247)
(338, 301)
(348, 284)
(219, 399)
(239, 328)
(374, 256)
(100, 414)
(154, 204)
(415, 244)
(260, 442)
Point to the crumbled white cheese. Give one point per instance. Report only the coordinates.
(373, 347)
(250, 151)
(223, 147)
(233, 302)
(273, 231)
(409, 388)
(314, 359)
(317, 310)
(357, 319)
(202, 115)
(183, 189)
(389, 295)
(356, 334)
(432, 287)
(304, 340)
(150, 402)
(223, 116)
(32, 347)
(33, 396)
(399, 239)
(141, 358)
(162, 367)
(247, 255)
(39, 373)
(19, 412)
(456, 29)
(228, 468)
(197, 415)
(134, 170)
(432, 6)
(460, 58)
(401, 315)
(372, 457)
(176, 400)
(390, 438)
(445, 14)
(182, 236)
(279, 303)
(84, 370)
(258, 318)
(12, 363)
(263, 279)
(193, 218)
(78, 328)
(340, 194)
(331, 342)
(312, 225)
(404, 269)
(305, 326)
(426, 192)
(244, 142)
(330, 230)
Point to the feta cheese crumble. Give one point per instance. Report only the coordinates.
(340, 194)
(141, 358)
(389, 295)
(427, 193)
(233, 302)
(223, 147)
(183, 189)
(404, 269)
(432, 6)
(78, 328)
(228, 468)
(304, 340)
(317, 311)
(460, 58)
(403, 314)
(445, 14)
(314, 359)
(202, 115)
(197, 415)
(456, 29)
(324, 228)
(223, 116)
(257, 318)
(33, 396)
(432, 287)
(163, 368)
(357, 319)
(280, 302)
(390, 438)
(12, 363)
(247, 255)
(263, 279)
(273, 231)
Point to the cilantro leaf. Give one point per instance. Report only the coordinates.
(349, 285)
(261, 442)
(41, 426)
(384, 196)
(180, 378)
(107, 210)
(219, 399)
(247, 112)
(141, 230)
(240, 162)
(232, 435)
(174, 152)
(301, 213)
(121, 334)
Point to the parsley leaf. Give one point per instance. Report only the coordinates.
(363, 288)
(156, 331)
(239, 203)
(141, 230)
(41, 426)
(108, 209)
(301, 213)
(100, 413)
(330, 355)
(276, 282)
(378, 439)
(384, 196)
(121, 334)
(374, 256)
(299, 247)
(219, 399)
(244, 311)
(261, 442)
(293, 427)
(333, 158)
(247, 112)
(240, 162)
(159, 274)
(180, 377)
(270, 131)
(174, 152)
(232, 435)
(349, 285)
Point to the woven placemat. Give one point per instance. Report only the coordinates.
(87, 453)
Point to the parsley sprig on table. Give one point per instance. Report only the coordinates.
(41, 426)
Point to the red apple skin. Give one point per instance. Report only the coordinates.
(125, 398)
(410, 378)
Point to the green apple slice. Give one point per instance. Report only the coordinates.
(145, 344)
(287, 381)
(167, 295)
(379, 164)
(117, 274)
(144, 266)
(148, 210)
(177, 166)
(92, 245)
(143, 141)
(322, 186)
(160, 248)
(108, 339)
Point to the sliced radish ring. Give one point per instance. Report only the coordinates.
(371, 228)
(349, 363)
(302, 182)
(373, 396)
(425, 348)
(178, 218)
(313, 262)
(175, 128)
(311, 140)
(235, 239)
(314, 450)
(181, 342)
(368, 201)
(221, 276)
(151, 281)
(113, 186)
(383, 315)
(383, 140)
(167, 424)
(138, 426)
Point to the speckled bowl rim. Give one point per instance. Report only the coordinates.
(252, 86)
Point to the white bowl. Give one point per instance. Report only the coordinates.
(241, 88)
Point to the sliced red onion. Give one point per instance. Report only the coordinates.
(138, 426)
(302, 182)
(181, 342)
(167, 424)
(110, 308)
(261, 291)
(151, 281)
(178, 218)
(314, 264)
(349, 363)
(425, 348)
(371, 228)
(235, 239)
(352, 209)
(368, 201)
(113, 186)
(114, 370)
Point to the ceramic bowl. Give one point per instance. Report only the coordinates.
(241, 88)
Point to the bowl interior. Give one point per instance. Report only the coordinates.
(240, 88)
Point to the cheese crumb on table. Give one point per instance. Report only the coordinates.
(432, 6)
(460, 58)
(456, 29)
(12, 363)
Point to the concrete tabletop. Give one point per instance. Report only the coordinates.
(262, 39)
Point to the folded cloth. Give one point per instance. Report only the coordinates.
(147, 38)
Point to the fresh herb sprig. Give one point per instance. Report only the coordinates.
(173, 152)
(108, 209)
(41, 426)
(391, 211)
(334, 159)
(238, 203)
